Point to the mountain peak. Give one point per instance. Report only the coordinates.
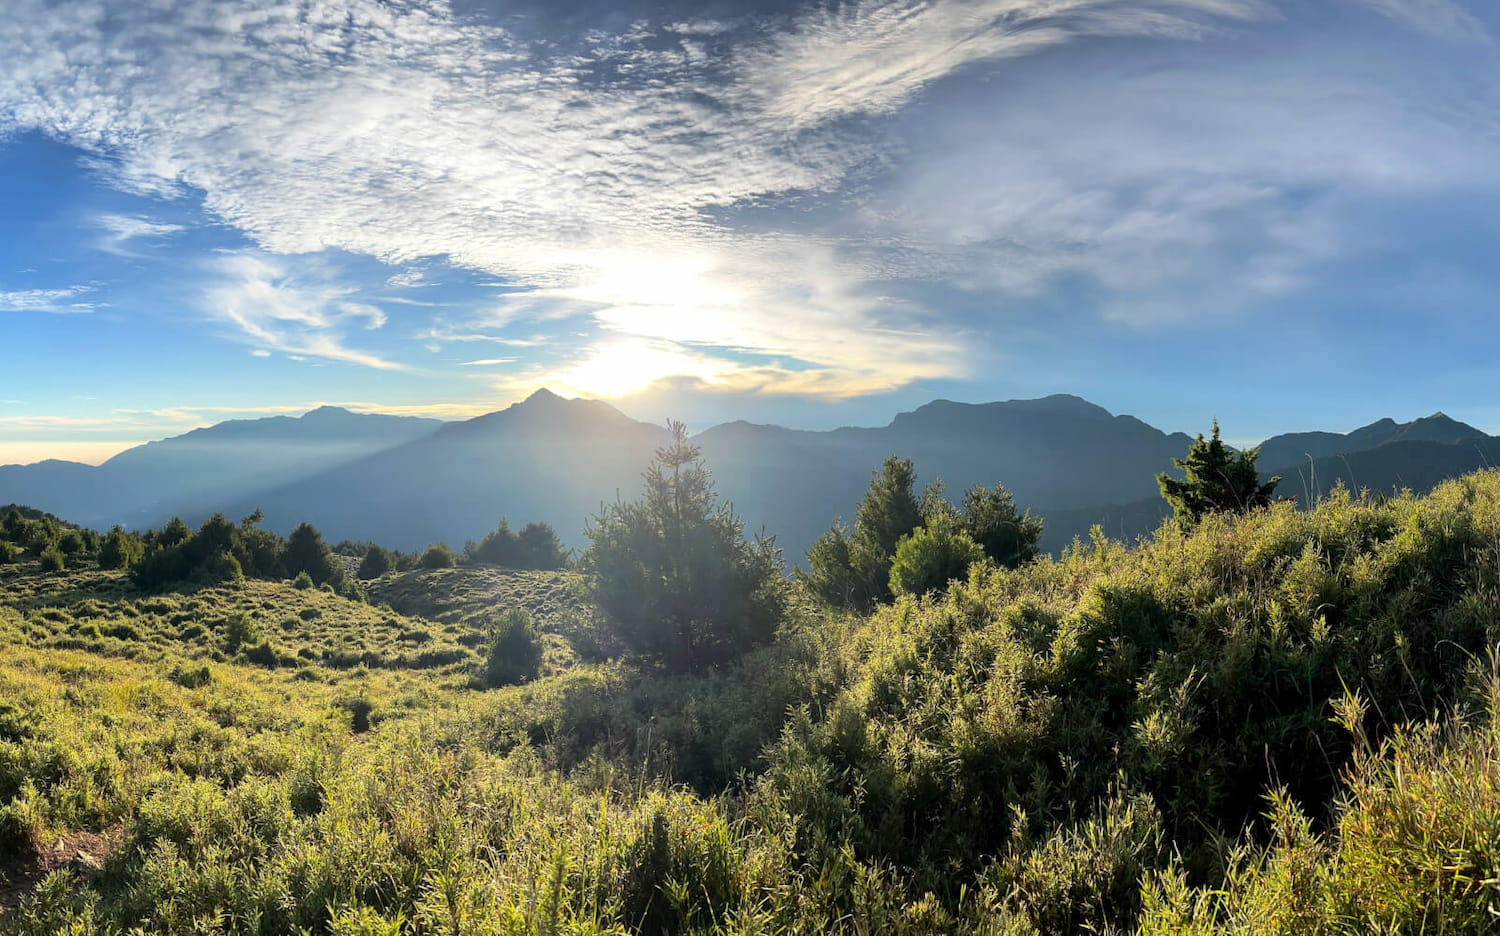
(326, 412)
(545, 411)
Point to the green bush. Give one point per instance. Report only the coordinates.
(931, 557)
(240, 631)
(439, 557)
(376, 562)
(120, 550)
(52, 560)
(515, 650)
(303, 582)
(307, 554)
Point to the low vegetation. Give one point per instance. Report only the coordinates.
(1263, 719)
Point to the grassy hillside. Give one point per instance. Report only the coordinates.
(1278, 723)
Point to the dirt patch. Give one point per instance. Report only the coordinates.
(80, 853)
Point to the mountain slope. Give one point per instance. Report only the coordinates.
(1055, 450)
(546, 459)
(1297, 447)
(1414, 464)
(201, 471)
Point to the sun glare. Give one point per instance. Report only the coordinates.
(621, 368)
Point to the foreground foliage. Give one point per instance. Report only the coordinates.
(1278, 722)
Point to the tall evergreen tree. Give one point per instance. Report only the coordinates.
(675, 572)
(377, 562)
(1216, 479)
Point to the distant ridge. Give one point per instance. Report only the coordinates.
(407, 482)
(1299, 446)
(206, 468)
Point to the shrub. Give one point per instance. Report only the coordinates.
(931, 557)
(225, 568)
(540, 548)
(377, 562)
(240, 630)
(438, 557)
(52, 559)
(307, 553)
(303, 582)
(72, 542)
(120, 550)
(190, 677)
(515, 652)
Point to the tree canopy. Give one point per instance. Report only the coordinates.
(1217, 479)
(855, 569)
(674, 571)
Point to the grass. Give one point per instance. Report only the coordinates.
(1284, 722)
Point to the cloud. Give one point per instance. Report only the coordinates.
(1444, 19)
(872, 57)
(279, 311)
(55, 301)
(407, 279)
(747, 218)
(118, 229)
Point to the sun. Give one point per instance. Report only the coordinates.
(620, 368)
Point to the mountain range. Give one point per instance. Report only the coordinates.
(406, 482)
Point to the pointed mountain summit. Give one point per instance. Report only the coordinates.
(545, 412)
(546, 458)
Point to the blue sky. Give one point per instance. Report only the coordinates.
(1279, 214)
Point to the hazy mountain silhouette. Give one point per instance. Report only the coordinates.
(546, 459)
(407, 482)
(1416, 455)
(203, 470)
(67, 489)
(1058, 450)
(1295, 447)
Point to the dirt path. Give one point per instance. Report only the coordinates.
(80, 853)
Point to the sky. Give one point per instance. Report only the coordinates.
(1277, 213)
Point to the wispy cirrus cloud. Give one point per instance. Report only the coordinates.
(279, 311)
(65, 301)
(872, 57)
(1444, 19)
(120, 229)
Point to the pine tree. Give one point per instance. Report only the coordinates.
(306, 552)
(120, 550)
(674, 571)
(1007, 536)
(1217, 479)
(539, 547)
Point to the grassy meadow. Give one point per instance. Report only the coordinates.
(1283, 722)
